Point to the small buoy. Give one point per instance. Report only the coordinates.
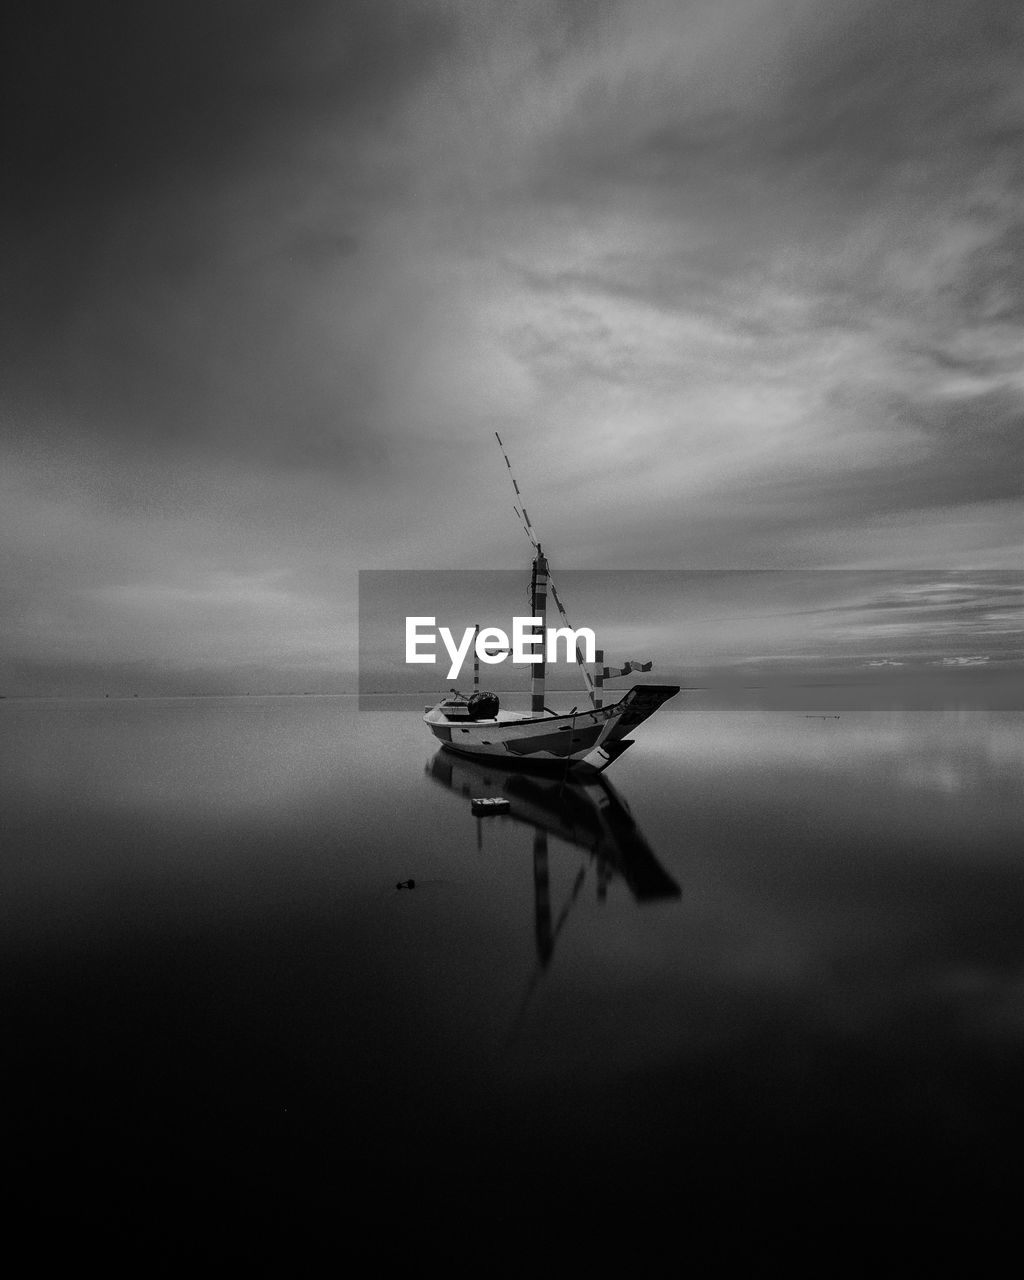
(406, 884)
(483, 805)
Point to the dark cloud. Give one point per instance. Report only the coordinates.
(155, 213)
(112, 96)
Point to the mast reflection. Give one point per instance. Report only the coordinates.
(589, 815)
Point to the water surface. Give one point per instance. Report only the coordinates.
(776, 968)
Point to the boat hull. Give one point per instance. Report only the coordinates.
(589, 739)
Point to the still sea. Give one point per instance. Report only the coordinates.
(261, 964)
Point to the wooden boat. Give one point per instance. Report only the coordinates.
(582, 739)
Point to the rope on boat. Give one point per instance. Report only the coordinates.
(606, 673)
(588, 679)
(524, 516)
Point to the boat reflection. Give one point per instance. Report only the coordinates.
(589, 815)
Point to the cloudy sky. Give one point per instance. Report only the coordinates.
(739, 282)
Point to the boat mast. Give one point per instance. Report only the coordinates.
(541, 587)
(539, 609)
(476, 659)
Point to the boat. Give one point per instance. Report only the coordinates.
(583, 740)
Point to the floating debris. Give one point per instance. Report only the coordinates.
(484, 805)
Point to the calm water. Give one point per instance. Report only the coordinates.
(777, 969)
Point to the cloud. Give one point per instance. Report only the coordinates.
(739, 283)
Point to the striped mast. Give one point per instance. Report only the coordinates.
(538, 589)
(540, 586)
(476, 659)
(539, 609)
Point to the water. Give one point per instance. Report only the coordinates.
(776, 971)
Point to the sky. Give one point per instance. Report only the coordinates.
(739, 282)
